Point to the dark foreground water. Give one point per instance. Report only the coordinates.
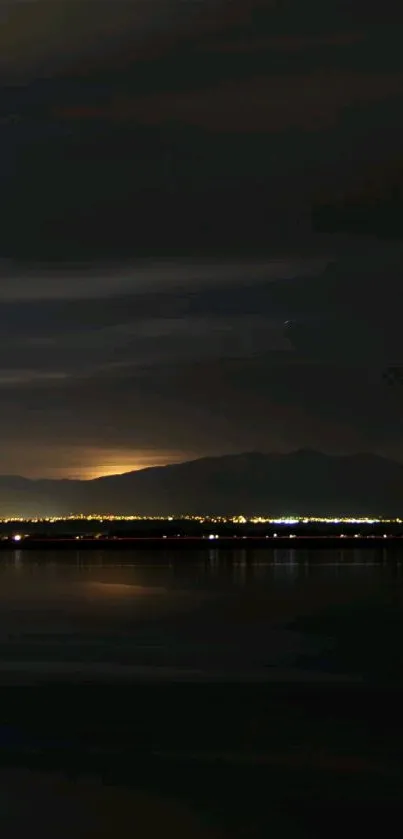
(218, 695)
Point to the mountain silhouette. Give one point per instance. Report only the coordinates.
(304, 482)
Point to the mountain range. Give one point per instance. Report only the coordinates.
(304, 482)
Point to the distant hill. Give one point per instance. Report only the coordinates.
(304, 482)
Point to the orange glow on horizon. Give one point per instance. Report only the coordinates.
(112, 466)
(83, 462)
(89, 473)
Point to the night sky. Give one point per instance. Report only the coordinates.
(179, 178)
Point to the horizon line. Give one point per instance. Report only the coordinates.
(242, 453)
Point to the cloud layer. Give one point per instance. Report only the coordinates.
(175, 183)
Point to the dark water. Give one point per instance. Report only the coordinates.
(275, 615)
(211, 696)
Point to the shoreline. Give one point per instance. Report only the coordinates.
(196, 543)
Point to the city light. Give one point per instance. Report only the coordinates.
(212, 519)
(235, 519)
(83, 529)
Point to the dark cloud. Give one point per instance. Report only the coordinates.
(372, 205)
(42, 35)
(158, 138)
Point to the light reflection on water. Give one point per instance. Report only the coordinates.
(213, 612)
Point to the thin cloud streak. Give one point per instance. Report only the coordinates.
(83, 282)
(264, 104)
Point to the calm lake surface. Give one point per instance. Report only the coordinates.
(268, 615)
(219, 695)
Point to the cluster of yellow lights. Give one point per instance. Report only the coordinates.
(293, 520)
